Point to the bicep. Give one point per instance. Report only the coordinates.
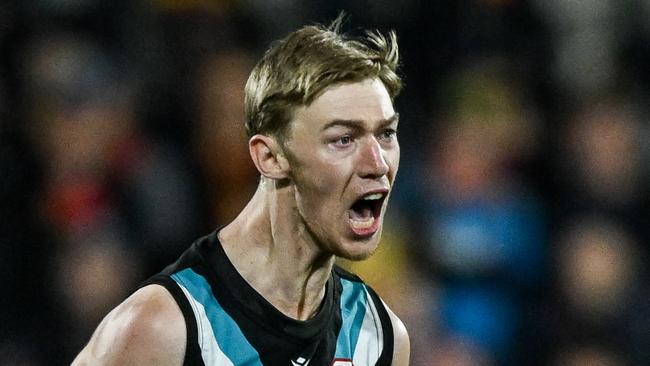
(146, 329)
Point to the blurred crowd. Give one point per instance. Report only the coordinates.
(519, 227)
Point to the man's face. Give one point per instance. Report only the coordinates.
(344, 155)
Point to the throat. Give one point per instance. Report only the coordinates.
(294, 284)
(281, 260)
(301, 307)
(308, 309)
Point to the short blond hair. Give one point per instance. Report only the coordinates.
(297, 68)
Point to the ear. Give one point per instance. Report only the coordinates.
(268, 157)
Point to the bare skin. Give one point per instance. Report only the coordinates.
(295, 225)
(146, 329)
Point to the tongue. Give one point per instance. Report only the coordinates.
(361, 218)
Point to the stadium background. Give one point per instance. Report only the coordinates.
(518, 232)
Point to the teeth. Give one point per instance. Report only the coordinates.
(363, 224)
(374, 196)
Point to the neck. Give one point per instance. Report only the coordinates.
(276, 255)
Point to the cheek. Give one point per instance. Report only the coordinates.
(322, 175)
(319, 189)
(316, 185)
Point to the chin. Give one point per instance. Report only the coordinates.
(358, 250)
(356, 257)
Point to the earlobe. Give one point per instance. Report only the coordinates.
(268, 157)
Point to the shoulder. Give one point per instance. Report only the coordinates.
(147, 328)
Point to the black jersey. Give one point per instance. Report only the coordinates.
(229, 323)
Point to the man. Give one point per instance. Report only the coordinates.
(264, 289)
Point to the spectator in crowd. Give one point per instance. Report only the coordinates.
(219, 136)
(482, 230)
(109, 192)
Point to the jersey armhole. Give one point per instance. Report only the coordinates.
(192, 351)
(386, 357)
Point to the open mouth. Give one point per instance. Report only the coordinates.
(364, 213)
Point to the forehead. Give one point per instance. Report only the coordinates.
(367, 101)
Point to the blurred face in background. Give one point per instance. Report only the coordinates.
(487, 130)
(604, 146)
(80, 108)
(597, 268)
(220, 136)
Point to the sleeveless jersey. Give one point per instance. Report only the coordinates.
(229, 323)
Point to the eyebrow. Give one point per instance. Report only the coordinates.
(355, 123)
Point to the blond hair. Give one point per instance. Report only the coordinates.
(297, 68)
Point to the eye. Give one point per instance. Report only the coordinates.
(388, 134)
(344, 140)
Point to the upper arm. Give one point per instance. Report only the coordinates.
(402, 344)
(148, 328)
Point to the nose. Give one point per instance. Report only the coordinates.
(371, 162)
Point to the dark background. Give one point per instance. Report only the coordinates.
(518, 232)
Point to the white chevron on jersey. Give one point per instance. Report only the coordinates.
(370, 343)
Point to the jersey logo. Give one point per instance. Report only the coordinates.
(342, 362)
(300, 361)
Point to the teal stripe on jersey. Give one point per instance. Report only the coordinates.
(228, 335)
(353, 310)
